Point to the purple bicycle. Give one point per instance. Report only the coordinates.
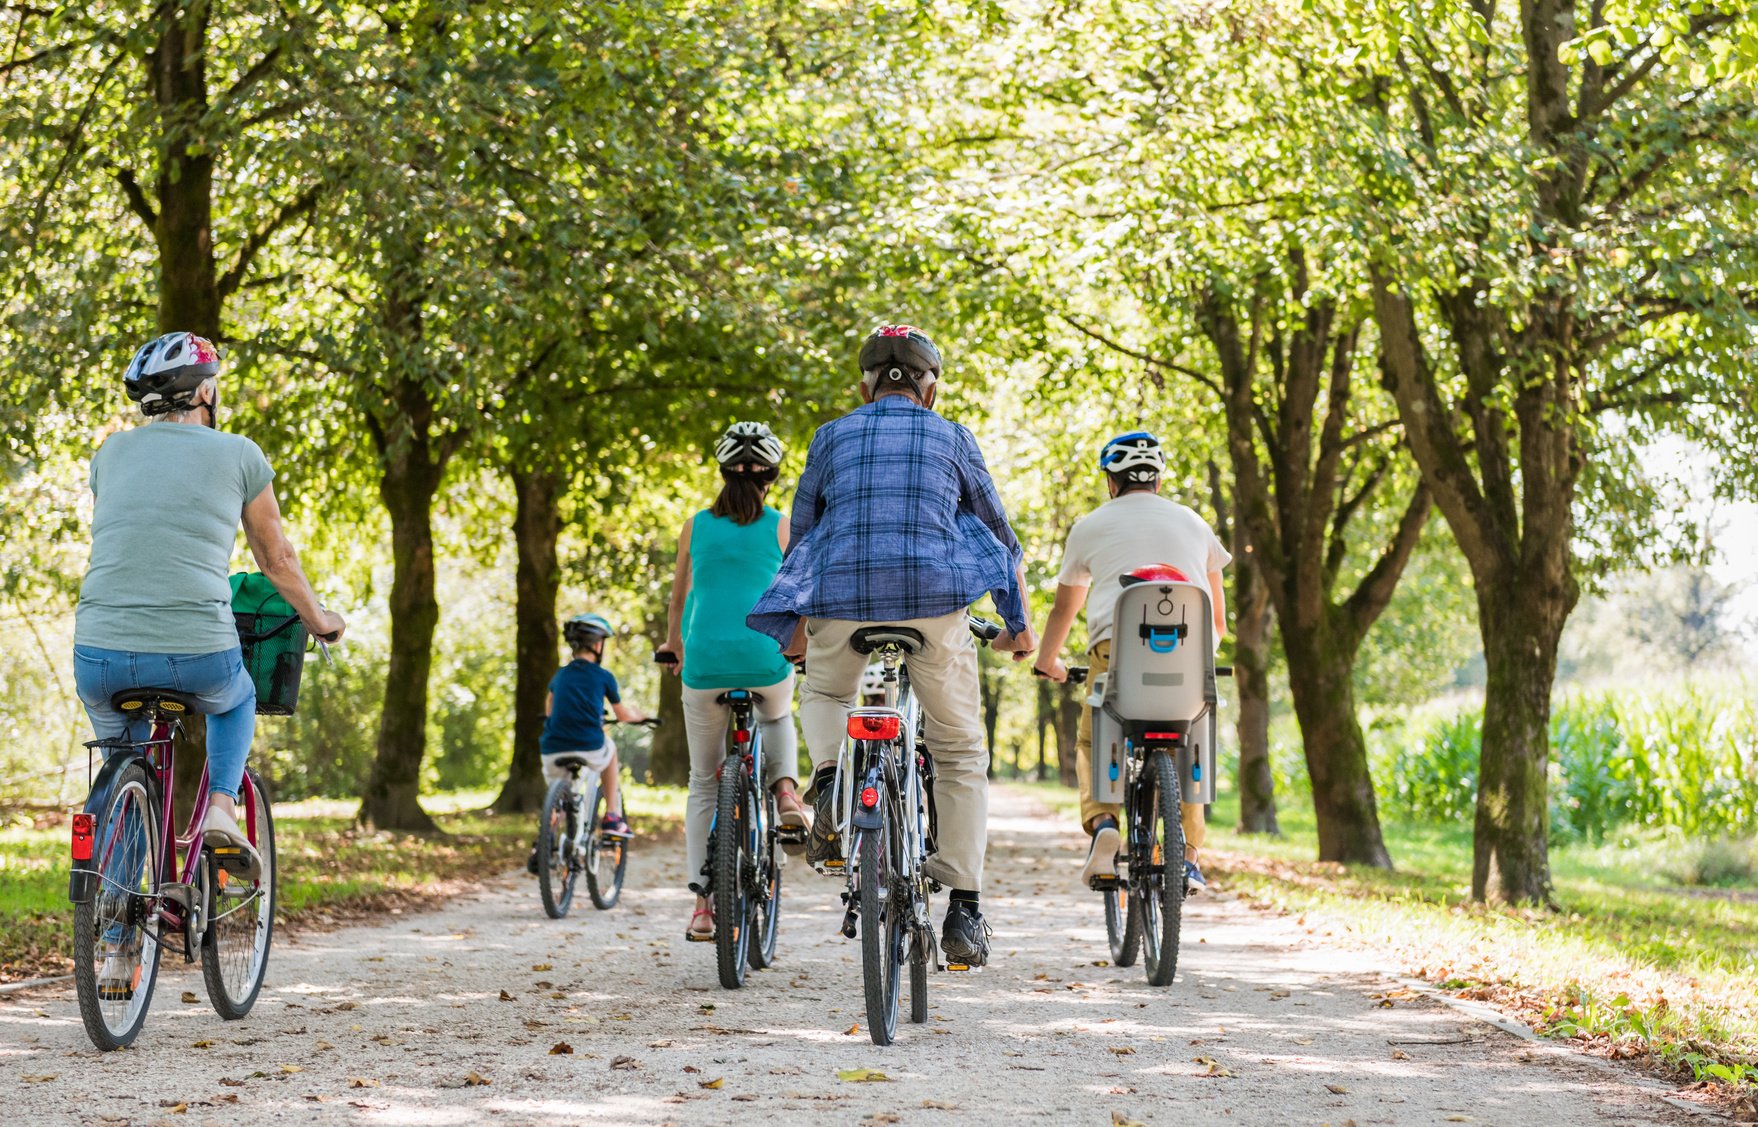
(138, 886)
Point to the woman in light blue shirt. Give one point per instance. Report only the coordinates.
(727, 556)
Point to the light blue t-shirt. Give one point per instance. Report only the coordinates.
(169, 500)
(730, 566)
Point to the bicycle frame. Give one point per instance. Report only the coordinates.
(892, 766)
(745, 750)
(165, 907)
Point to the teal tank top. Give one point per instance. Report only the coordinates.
(730, 567)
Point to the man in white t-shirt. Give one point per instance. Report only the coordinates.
(1136, 526)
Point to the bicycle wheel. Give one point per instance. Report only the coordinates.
(919, 972)
(115, 955)
(766, 912)
(1161, 902)
(606, 857)
(732, 863)
(556, 871)
(1122, 925)
(241, 914)
(881, 930)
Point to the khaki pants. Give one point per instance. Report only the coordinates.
(1195, 826)
(943, 676)
(705, 729)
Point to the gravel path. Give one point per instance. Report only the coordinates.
(487, 1012)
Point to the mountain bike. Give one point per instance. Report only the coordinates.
(885, 811)
(571, 839)
(139, 887)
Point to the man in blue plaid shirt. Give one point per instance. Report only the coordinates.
(897, 522)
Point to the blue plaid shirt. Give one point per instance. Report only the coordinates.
(895, 517)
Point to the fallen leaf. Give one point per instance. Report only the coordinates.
(860, 1075)
(347, 1005)
(1400, 1054)
(231, 1083)
(203, 1045)
(362, 1082)
(1118, 1119)
(745, 1097)
(938, 1106)
(174, 1108)
(43, 1079)
(1123, 1050)
(1337, 1089)
(189, 998)
(852, 1030)
(714, 1083)
(626, 1064)
(290, 1069)
(506, 997)
(541, 966)
(475, 1080)
(561, 1049)
(662, 1043)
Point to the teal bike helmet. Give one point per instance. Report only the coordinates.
(582, 630)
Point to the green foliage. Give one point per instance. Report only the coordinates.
(1683, 760)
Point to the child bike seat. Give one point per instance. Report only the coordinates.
(155, 702)
(870, 638)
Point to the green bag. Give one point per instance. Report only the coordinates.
(274, 642)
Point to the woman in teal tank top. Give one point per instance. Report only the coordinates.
(727, 556)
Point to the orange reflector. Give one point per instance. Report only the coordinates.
(84, 828)
(874, 727)
(870, 797)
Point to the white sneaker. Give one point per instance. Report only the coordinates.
(1102, 855)
(219, 830)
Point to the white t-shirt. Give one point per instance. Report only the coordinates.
(1123, 534)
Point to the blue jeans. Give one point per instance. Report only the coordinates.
(217, 681)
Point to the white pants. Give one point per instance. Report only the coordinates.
(943, 676)
(705, 730)
(596, 760)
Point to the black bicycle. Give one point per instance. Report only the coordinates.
(571, 839)
(1144, 903)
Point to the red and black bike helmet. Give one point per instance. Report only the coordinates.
(896, 357)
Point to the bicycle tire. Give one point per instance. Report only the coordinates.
(732, 897)
(133, 791)
(766, 912)
(881, 936)
(1162, 904)
(918, 982)
(235, 947)
(606, 859)
(556, 873)
(1122, 925)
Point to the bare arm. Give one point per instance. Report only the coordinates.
(279, 561)
(681, 578)
(628, 713)
(1069, 600)
(1218, 596)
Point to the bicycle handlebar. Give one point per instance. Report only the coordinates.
(982, 628)
(664, 657)
(1077, 674)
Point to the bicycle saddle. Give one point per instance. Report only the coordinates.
(154, 702)
(870, 638)
(732, 695)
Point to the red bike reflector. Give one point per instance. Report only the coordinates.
(741, 736)
(870, 797)
(874, 727)
(1173, 736)
(84, 829)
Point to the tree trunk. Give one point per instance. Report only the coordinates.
(1511, 859)
(537, 525)
(669, 760)
(1336, 752)
(1070, 699)
(189, 294)
(1251, 677)
(411, 479)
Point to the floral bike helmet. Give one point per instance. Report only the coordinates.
(746, 444)
(582, 630)
(899, 358)
(165, 373)
(1134, 457)
(1153, 573)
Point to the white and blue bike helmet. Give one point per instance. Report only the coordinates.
(1135, 457)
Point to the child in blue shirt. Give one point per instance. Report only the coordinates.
(573, 726)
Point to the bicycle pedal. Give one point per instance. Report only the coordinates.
(231, 858)
(961, 968)
(1104, 883)
(837, 865)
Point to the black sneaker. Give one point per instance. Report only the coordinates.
(823, 845)
(531, 862)
(964, 941)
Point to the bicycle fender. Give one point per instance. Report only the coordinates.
(82, 882)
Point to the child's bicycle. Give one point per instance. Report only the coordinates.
(138, 886)
(743, 871)
(571, 839)
(885, 811)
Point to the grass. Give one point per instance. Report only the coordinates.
(331, 870)
(1631, 961)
